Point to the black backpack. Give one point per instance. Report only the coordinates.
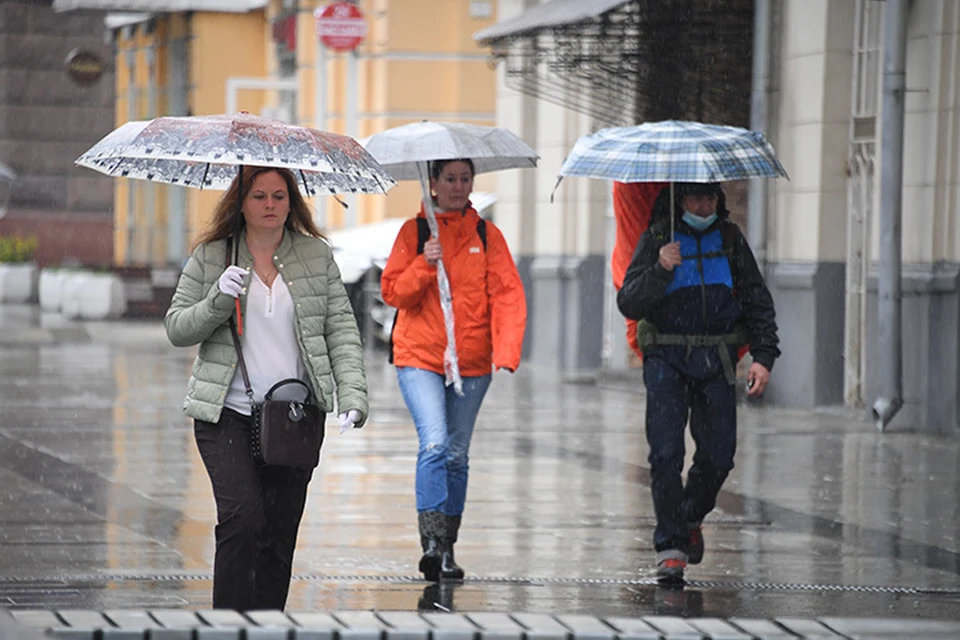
(423, 234)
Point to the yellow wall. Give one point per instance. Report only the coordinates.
(221, 45)
(225, 45)
(136, 43)
(419, 62)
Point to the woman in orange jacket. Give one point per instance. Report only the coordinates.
(490, 314)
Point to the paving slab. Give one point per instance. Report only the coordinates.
(106, 506)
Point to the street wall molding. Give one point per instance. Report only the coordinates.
(920, 279)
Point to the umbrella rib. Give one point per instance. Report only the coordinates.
(304, 179)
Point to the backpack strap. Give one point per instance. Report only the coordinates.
(728, 237)
(482, 232)
(423, 233)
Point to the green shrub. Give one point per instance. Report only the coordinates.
(17, 249)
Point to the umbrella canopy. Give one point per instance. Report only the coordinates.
(402, 150)
(211, 151)
(406, 151)
(205, 151)
(673, 151)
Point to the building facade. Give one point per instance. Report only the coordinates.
(692, 65)
(822, 228)
(418, 61)
(56, 100)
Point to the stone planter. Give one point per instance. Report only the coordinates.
(51, 284)
(18, 282)
(92, 296)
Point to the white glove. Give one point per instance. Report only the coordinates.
(347, 420)
(231, 281)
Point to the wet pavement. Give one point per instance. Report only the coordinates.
(104, 503)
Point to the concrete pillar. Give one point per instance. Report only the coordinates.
(808, 231)
(559, 246)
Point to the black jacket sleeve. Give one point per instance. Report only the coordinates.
(645, 282)
(759, 315)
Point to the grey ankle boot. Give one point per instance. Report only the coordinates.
(433, 527)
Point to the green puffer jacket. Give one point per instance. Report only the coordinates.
(326, 327)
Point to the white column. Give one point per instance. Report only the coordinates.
(350, 118)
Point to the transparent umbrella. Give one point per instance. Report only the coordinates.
(208, 152)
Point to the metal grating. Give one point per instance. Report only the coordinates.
(98, 578)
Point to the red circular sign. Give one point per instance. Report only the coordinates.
(340, 26)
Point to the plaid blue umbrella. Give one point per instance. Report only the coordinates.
(673, 151)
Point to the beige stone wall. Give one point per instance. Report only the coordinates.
(931, 177)
(815, 67)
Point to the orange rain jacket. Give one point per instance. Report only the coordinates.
(632, 204)
(489, 306)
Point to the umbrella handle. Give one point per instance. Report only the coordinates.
(236, 237)
(673, 211)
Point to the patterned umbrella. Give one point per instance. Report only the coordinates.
(673, 151)
(205, 152)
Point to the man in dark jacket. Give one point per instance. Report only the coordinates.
(700, 296)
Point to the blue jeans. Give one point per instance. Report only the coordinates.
(444, 423)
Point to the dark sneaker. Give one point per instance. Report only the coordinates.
(670, 566)
(695, 545)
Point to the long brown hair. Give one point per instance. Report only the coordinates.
(224, 220)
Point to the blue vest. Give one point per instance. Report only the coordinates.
(716, 266)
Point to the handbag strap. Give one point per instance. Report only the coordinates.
(236, 342)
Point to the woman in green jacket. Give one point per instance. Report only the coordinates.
(297, 323)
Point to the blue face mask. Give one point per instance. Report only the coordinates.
(698, 223)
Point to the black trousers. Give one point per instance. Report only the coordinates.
(258, 515)
(678, 388)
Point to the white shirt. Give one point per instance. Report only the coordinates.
(269, 343)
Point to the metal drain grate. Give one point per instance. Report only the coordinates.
(101, 578)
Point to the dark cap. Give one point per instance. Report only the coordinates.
(698, 188)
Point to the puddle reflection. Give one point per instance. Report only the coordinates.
(438, 596)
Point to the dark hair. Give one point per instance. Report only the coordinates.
(698, 189)
(224, 220)
(436, 167)
(660, 213)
